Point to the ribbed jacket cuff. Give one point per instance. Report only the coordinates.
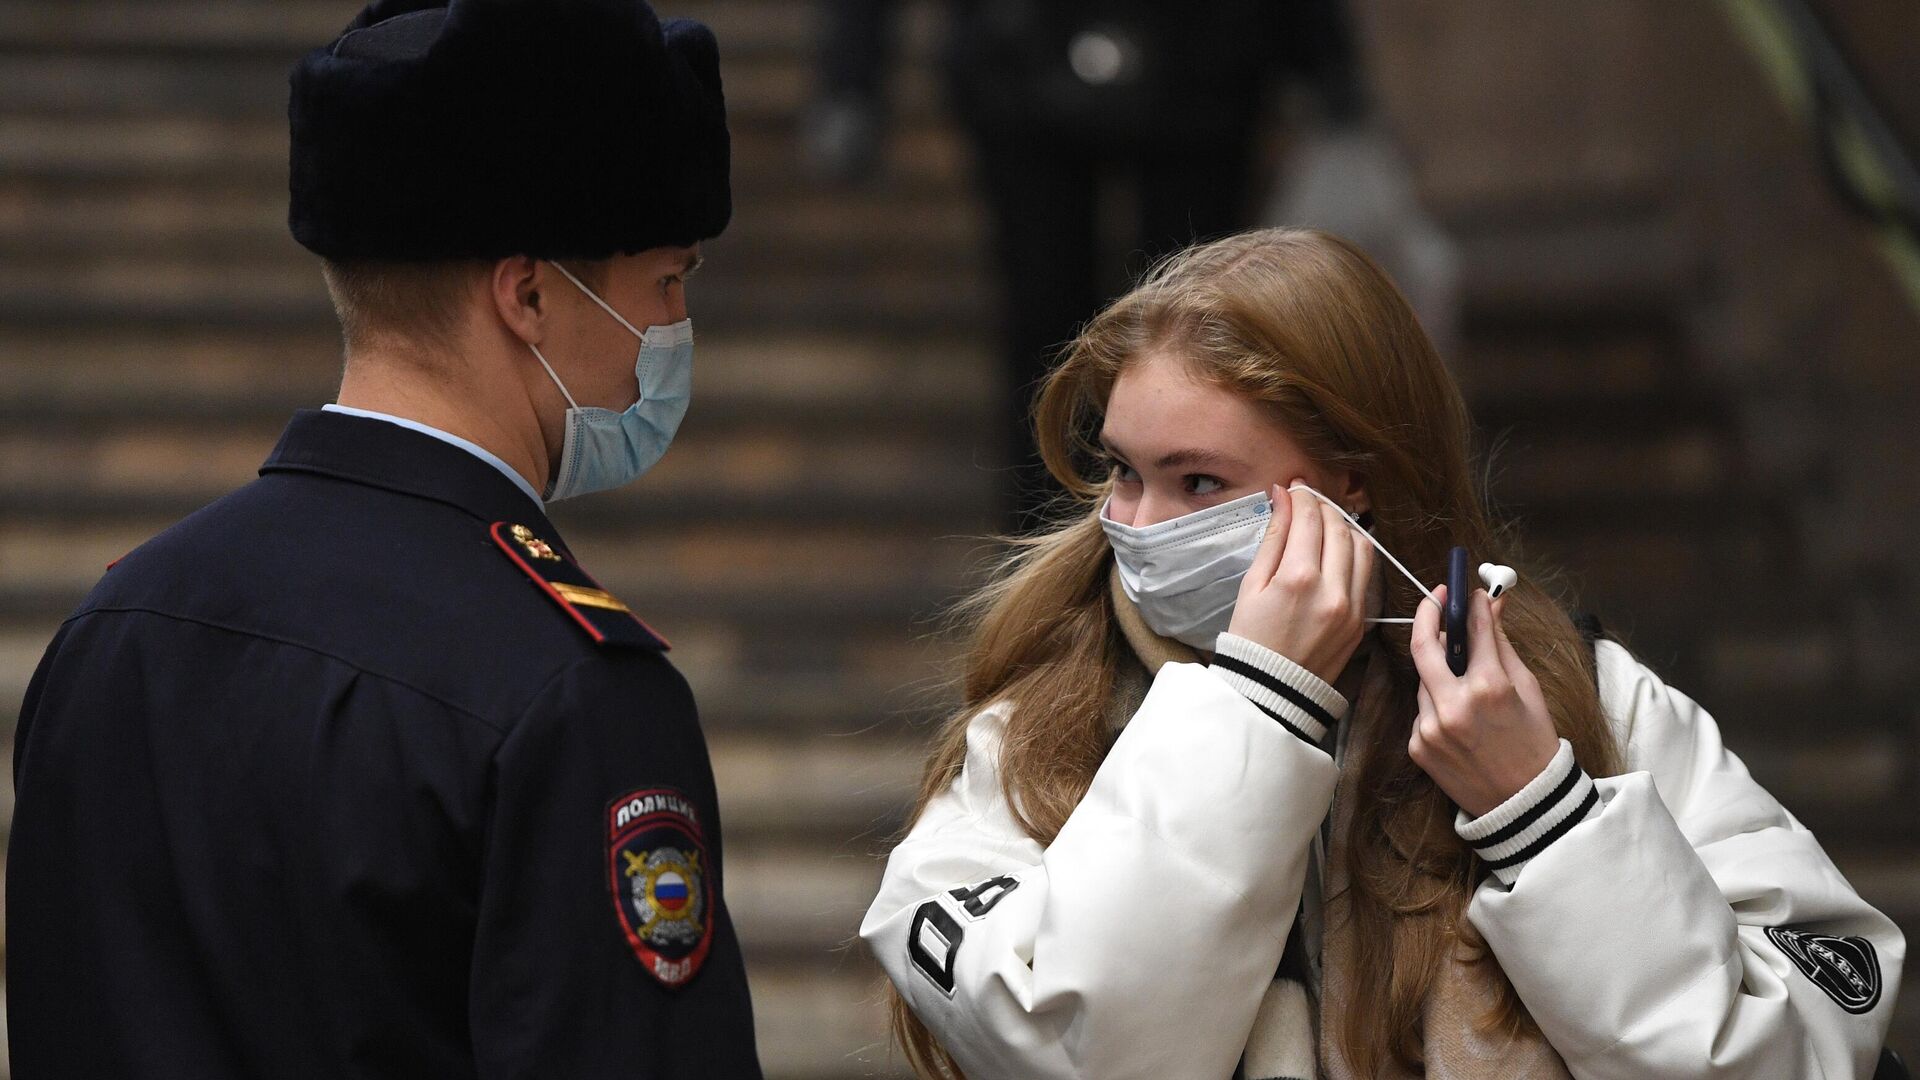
(1510, 834)
(1301, 701)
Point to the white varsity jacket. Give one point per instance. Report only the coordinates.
(1671, 921)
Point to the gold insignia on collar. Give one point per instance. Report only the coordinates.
(535, 546)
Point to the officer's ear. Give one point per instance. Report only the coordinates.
(518, 287)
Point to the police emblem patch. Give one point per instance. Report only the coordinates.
(1845, 967)
(662, 891)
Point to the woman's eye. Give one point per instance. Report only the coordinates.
(1204, 485)
(1122, 473)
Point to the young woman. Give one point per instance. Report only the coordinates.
(1201, 816)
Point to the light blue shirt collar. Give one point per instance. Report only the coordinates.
(450, 439)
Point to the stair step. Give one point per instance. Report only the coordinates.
(762, 89)
(745, 27)
(1836, 785)
(846, 789)
(923, 156)
(792, 900)
(6, 799)
(903, 229)
(823, 1021)
(148, 293)
(1647, 554)
(1606, 264)
(155, 27)
(1565, 358)
(1605, 460)
(719, 467)
(23, 639)
(744, 380)
(93, 149)
(683, 559)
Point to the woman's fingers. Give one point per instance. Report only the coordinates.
(1362, 574)
(1517, 671)
(1301, 560)
(1483, 650)
(1509, 659)
(1427, 739)
(1336, 551)
(1267, 559)
(1429, 655)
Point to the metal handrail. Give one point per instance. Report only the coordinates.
(1870, 167)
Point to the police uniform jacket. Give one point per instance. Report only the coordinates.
(1674, 920)
(345, 776)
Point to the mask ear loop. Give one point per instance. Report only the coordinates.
(1377, 547)
(556, 379)
(595, 297)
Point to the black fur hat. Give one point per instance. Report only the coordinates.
(442, 129)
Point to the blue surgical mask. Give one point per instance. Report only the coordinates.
(604, 449)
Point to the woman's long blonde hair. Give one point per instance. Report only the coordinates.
(1307, 325)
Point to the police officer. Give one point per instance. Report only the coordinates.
(356, 772)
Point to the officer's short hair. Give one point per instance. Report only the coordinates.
(417, 304)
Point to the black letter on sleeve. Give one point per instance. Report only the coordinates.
(932, 942)
(981, 899)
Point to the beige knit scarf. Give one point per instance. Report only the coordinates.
(1285, 1043)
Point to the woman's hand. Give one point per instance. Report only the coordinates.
(1305, 595)
(1484, 735)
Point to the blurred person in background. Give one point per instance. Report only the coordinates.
(356, 772)
(1060, 98)
(1209, 810)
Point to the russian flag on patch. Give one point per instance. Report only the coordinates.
(670, 891)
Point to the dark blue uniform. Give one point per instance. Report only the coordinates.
(345, 776)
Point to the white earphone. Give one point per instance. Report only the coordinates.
(1497, 578)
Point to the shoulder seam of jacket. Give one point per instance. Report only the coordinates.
(304, 647)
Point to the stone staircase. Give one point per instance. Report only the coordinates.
(157, 325)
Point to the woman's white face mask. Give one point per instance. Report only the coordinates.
(1184, 574)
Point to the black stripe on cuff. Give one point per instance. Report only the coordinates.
(1285, 723)
(1306, 704)
(1520, 824)
(1555, 833)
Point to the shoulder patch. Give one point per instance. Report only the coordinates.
(1845, 967)
(602, 615)
(662, 885)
